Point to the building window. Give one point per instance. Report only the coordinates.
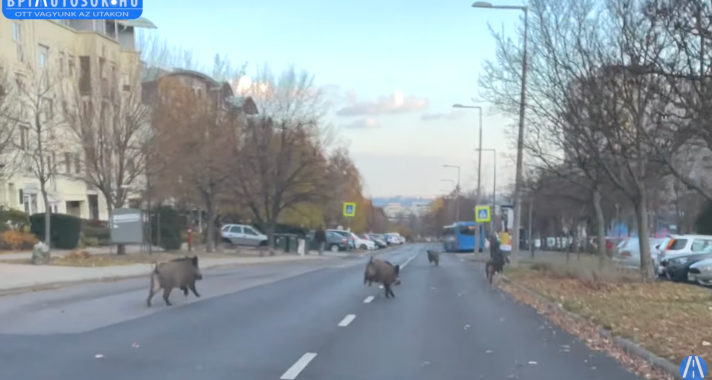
(43, 55)
(24, 137)
(17, 37)
(61, 62)
(77, 164)
(67, 162)
(126, 82)
(71, 65)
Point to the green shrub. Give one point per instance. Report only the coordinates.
(13, 219)
(64, 229)
(167, 222)
(99, 233)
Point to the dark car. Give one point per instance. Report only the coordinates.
(379, 240)
(334, 242)
(676, 268)
(346, 235)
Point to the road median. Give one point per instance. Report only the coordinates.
(647, 326)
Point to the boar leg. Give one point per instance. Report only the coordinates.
(152, 290)
(166, 294)
(192, 288)
(185, 290)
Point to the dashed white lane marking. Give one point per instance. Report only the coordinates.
(298, 367)
(347, 320)
(368, 299)
(408, 261)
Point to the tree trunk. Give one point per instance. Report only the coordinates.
(270, 227)
(600, 227)
(48, 215)
(647, 271)
(210, 242)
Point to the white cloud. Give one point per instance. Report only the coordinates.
(452, 115)
(367, 123)
(394, 104)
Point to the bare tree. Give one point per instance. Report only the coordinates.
(685, 29)
(589, 91)
(196, 135)
(280, 161)
(41, 134)
(107, 118)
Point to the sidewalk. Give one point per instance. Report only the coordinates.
(63, 252)
(14, 276)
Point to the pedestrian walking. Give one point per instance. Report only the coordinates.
(320, 237)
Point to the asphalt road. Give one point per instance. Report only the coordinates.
(311, 320)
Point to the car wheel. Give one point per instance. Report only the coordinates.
(363, 246)
(334, 248)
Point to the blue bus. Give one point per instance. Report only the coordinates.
(460, 237)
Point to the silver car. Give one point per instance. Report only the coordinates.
(701, 272)
(240, 234)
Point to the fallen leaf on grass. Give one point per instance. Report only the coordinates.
(588, 333)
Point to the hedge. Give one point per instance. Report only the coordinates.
(64, 229)
(171, 223)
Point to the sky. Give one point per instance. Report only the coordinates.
(396, 66)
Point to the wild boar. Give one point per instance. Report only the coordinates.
(179, 273)
(383, 272)
(433, 257)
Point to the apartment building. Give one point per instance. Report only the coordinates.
(99, 57)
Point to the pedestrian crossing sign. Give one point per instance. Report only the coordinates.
(349, 209)
(482, 214)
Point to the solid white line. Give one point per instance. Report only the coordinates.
(298, 367)
(368, 299)
(347, 319)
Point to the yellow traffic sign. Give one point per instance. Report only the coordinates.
(349, 209)
(482, 214)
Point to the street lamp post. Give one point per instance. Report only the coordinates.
(520, 134)
(457, 191)
(494, 179)
(479, 167)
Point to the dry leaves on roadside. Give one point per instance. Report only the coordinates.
(669, 319)
(588, 333)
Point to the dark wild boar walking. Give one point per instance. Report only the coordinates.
(434, 257)
(180, 273)
(382, 272)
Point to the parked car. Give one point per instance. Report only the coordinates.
(676, 268)
(679, 245)
(240, 234)
(378, 239)
(362, 243)
(393, 239)
(334, 242)
(347, 235)
(701, 272)
(627, 252)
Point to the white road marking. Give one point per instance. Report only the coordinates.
(298, 367)
(408, 261)
(347, 320)
(368, 299)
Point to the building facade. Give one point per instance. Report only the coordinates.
(97, 57)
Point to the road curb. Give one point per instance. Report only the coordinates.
(62, 284)
(627, 345)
